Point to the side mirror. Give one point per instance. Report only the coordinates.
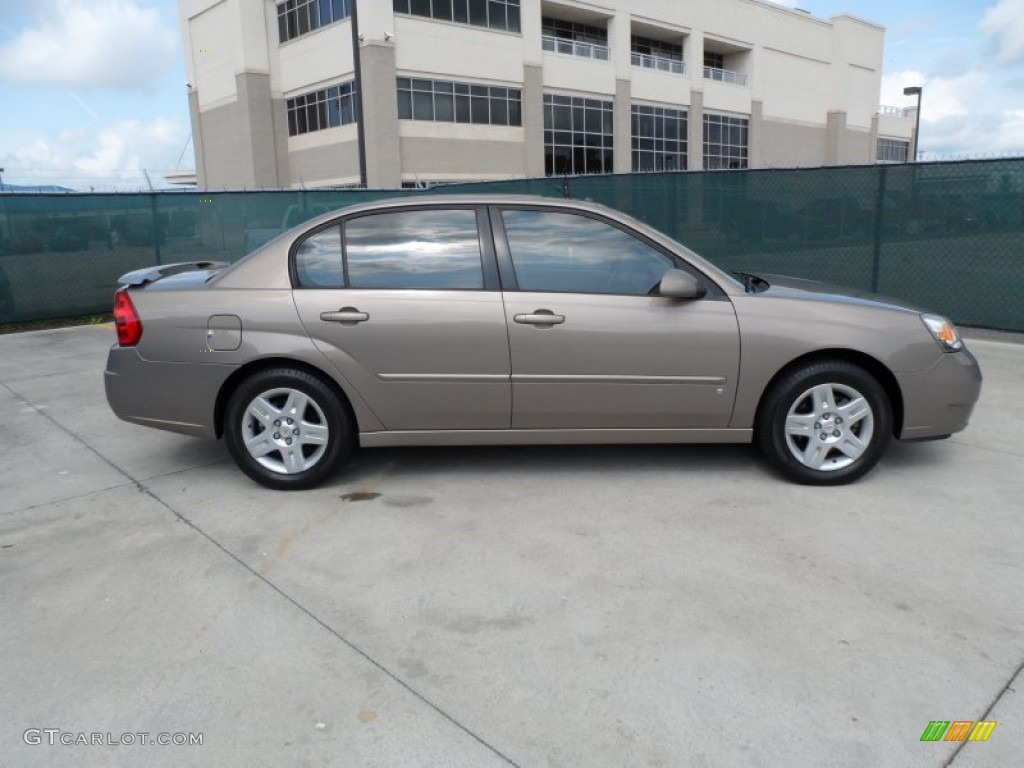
(677, 284)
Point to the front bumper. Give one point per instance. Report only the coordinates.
(938, 401)
(178, 397)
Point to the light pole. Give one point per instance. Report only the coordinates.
(915, 90)
(357, 74)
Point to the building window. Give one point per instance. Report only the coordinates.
(325, 108)
(714, 68)
(495, 14)
(657, 54)
(577, 135)
(298, 17)
(893, 150)
(444, 102)
(714, 60)
(659, 139)
(726, 141)
(574, 39)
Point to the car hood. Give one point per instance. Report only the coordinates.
(781, 286)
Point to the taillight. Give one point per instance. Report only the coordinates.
(126, 320)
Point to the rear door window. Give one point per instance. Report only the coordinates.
(428, 249)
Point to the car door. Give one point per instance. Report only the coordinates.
(405, 304)
(590, 347)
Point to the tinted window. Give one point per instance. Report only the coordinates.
(564, 252)
(318, 260)
(414, 249)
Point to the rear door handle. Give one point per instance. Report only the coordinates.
(345, 316)
(541, 317)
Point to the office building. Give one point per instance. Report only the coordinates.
(456, 90)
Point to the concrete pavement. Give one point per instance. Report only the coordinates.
(649, 606)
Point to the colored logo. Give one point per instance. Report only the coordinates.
(958, 730)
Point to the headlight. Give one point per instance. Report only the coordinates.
(944, 332)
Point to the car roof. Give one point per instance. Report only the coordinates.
(484, 198)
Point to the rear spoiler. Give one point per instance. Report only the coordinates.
(152, 274)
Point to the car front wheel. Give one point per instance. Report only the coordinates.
(287, 429)
(826, 423)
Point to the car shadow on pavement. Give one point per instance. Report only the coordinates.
(503, 461)
(935, 454)
(548, 459)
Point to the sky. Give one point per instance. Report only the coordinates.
(92, 92)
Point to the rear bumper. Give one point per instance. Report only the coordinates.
(938, 402)
(178, 397)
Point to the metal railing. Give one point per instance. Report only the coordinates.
(725, 76)
(574, 48)
(894, 111)
(661, 63)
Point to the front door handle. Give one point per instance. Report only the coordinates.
(345, 316)
(541, 317)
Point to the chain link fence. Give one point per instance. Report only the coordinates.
(946, 236)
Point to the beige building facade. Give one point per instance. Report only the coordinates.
(458, 90)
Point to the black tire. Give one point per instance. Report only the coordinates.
(828, 442)
(323, 412)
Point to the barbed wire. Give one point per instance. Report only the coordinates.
(926, 156)
(78, 180)
(135, 179)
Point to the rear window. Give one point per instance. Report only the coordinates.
(318, 260)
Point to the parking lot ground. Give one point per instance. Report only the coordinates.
(577, 606)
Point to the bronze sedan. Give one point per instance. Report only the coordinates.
(511, 320)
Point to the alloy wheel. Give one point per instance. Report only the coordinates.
(285, 430)
(829, 427)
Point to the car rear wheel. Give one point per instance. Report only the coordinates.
(287, 429)
(826, 423)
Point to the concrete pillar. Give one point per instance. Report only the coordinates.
(620, 40)
(198, 147)
(623, 126)
(695, 120)
(693, 51)
(755, 146)
(380, 115)
(279, 115)
(873, 149)
(256, 130)
(835, 136)
(533, 120)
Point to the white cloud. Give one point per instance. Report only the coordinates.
(131, 144)
(966, 115)
(943, 97)
(112, 157)
(101, 44)
(1004, 23)
(1009, 136)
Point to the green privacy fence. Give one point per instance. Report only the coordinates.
(948, 236)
